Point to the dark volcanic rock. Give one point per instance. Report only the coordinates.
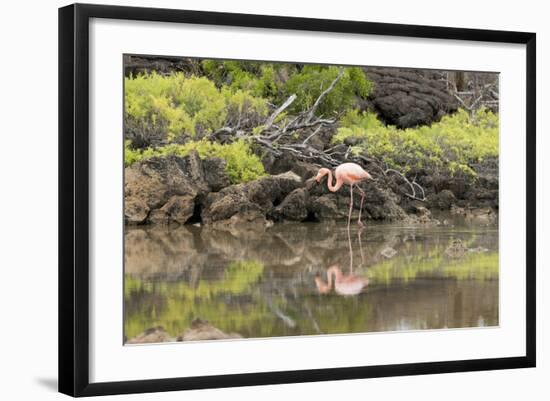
(165, 190)
(178, 209)
(135, 65)
(287, 162)
(253, 198)
(380, 202)
(214, 173)
(326, 207)
(135, 211)
(442, 200)
(407, 98)
(294, 206)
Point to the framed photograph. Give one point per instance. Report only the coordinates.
(251, 199)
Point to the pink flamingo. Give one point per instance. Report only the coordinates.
(343, 284)
(350, 174)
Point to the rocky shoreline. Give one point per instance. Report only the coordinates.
(189, 190)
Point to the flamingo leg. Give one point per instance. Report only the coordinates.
(350, 204)
(361, 207)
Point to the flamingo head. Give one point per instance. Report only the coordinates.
(322, 172)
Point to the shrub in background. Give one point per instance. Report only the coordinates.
(241, 164)
(452, 144)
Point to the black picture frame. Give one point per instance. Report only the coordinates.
(74, 198)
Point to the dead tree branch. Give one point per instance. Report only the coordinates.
(313, 109)
(412, 184)
(273, 116)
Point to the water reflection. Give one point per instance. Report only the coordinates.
(344, 284)
(278, 282)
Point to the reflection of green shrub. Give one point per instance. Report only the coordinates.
(451, 144)
(178, 307)
(241, 164)
(189, 105)
(472, 266)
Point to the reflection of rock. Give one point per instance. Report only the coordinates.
(167, 187)
(456, 249)
(484, 215)
(423, 216)
(201, 330)
(249, 201)
(152, 335)
(157, 250)
(478, 249)
(388, 252)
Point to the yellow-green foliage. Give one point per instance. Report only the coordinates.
(241, 164)
(183, 104)
(451, 144)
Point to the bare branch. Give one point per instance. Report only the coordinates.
(313, 109)
(273, 116)
(411, 185)
(313, 134)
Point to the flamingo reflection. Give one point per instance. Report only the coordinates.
(344, 284)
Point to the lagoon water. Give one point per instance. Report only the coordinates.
(273, 282)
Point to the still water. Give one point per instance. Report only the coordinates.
(311, 278)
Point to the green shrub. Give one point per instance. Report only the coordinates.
(241, 164)
(452, 144)
(258, 78)
(190, 105)
(312, 80)
(277, 81)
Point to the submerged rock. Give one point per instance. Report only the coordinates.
(201, 330)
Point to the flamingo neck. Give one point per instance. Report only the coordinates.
(333, 270)
(339, 182)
